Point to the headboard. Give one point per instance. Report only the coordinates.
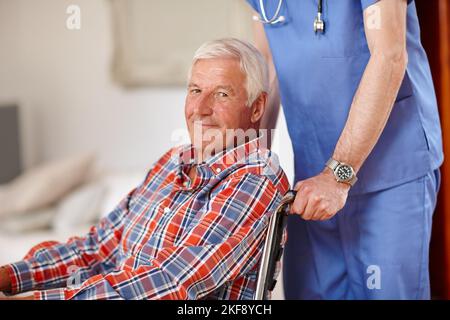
(10, 161)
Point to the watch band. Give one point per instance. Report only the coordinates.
(333, 164)
(352, 180)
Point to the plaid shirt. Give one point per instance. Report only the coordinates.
(169, 238)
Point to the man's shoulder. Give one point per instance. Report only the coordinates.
(264, 164)
(166, 162)
(171, 155)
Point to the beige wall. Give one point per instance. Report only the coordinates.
(61, 79)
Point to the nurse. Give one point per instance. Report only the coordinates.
(360, 106)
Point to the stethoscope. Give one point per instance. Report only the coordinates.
(319, 24)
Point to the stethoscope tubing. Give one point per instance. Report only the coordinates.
(319, 24)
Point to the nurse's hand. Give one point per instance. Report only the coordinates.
(319, 197)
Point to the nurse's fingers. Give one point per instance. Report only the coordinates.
(328, 213)
(324, 215)
(322, 211)
(318, 215)
(298, 185)
(298, 206)
(310, 209)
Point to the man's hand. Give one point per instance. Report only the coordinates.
(319, 197)
(26, 297)
(5, 281)
(5, 285)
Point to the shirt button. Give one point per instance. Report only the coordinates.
(166, 210)
(218, 170)
(185, 183)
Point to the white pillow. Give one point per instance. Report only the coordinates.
(44, 185)
(79, 208)
(31, 221)
(117, 187)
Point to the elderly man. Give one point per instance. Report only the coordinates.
(194, 228)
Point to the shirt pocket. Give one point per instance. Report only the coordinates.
(344, 34)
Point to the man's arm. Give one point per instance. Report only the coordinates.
(320, 197)
(51, 264)
(269, 119)
(223, 245)
(48, 264)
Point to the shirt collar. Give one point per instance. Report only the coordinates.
(225, 159)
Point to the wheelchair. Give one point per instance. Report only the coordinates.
(273, 249)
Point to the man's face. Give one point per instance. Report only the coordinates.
(216, 101)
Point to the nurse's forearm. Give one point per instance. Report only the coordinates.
(385, 29)
(371, 107)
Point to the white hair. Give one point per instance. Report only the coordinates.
(251, 61)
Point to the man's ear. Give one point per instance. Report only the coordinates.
(258, 107)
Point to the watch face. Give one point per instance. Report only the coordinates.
(344, 172)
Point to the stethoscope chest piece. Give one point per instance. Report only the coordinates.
(319, 25)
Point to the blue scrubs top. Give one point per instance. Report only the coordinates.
(319, 75)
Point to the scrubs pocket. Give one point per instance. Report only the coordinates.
(402, 150)
(405, 113)
(405, 90)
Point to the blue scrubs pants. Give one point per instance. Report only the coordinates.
(376, 247)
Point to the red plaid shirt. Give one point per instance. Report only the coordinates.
(169, 238)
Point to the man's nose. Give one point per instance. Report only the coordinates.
(204, 106)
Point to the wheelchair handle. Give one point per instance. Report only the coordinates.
(287, 200)
(271, 250)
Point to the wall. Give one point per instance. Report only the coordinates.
(68, 103)
(435, 34)
(61, 79)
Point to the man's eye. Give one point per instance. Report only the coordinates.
(194, 91)
(223, 94)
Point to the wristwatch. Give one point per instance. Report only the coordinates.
(343, 172)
